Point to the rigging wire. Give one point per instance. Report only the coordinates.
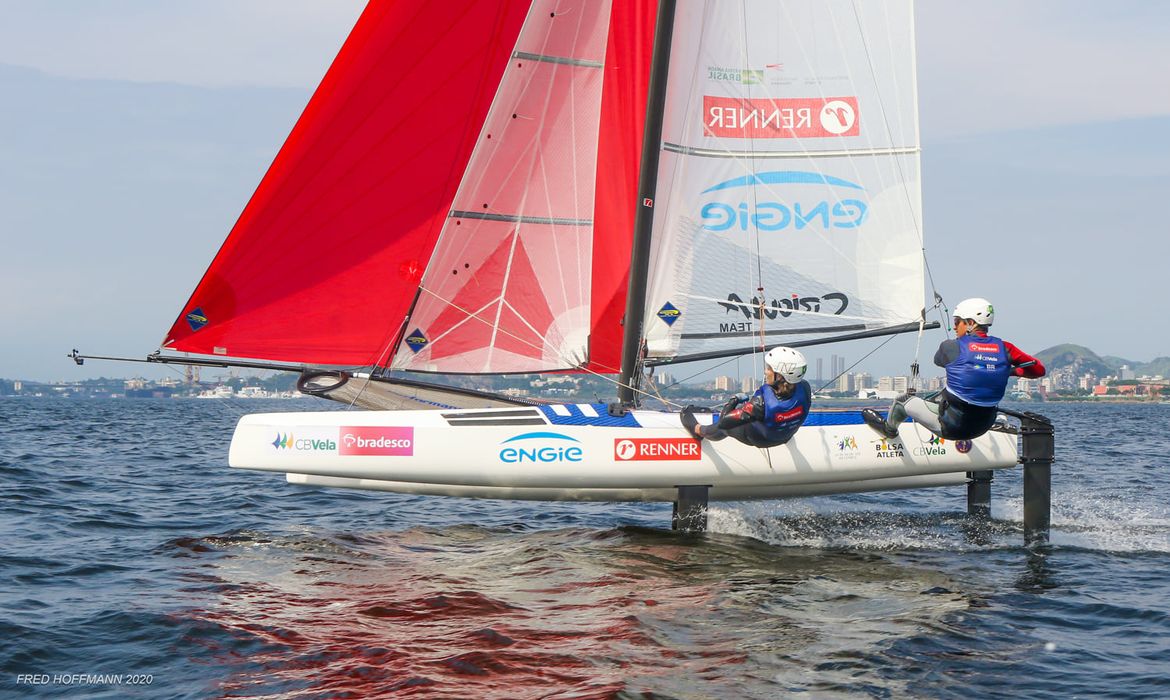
(846, 370)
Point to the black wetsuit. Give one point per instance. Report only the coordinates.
(765, 420)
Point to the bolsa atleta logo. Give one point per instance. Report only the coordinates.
(889, 448)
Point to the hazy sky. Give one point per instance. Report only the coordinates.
(1046, 163)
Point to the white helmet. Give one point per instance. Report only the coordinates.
(979, 310)
(786, 362)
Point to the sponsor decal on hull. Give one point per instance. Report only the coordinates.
(847, 448)
(299, 442)
(384, 441)
(889, 448)
(540, 447)
(935, 446)
(656, 449)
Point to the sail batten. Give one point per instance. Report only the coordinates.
(520, 218)
(565, 60)
(739, 154)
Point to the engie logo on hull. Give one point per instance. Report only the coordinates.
(781, 206)
(376, 440)
(541, 448)
(656, 449)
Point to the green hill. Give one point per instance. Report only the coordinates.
(1080, 358)
(1159, 365)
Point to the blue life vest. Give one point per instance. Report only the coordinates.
(782, 417)
(979, 376)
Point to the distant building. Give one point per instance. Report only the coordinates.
(1125, 373)
(844, 383)
(748, 385)
(723, 383)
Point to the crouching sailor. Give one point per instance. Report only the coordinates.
(978, 367)
(773, 414)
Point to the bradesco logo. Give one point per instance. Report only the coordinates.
(757, 210)
(377, 440)
(540, 447)
(656, 449)
(801, 117)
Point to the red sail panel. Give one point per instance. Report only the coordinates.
(498, 311)
(324, 262)
(508, 286)
(623, 115)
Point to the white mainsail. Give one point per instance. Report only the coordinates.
(788, 191)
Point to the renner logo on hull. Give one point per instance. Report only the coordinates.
(377, 440)
(656, 449)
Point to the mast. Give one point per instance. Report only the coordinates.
(647, 183)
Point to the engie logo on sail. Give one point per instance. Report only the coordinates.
(800, 118)
(656, 449)
(737, 208)
(540, 447)
(377, 440)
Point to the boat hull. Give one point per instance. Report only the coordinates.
(580, 452)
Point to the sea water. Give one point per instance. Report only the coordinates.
(135, 563)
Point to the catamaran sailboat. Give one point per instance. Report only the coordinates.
(487, 187)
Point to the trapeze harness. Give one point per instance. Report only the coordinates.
(976, 382)
(780, 420)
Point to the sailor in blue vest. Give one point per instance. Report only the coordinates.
(978, 367)
(772, 415)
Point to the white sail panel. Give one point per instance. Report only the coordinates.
(507, 289)
(788, 194)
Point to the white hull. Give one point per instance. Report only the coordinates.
(578, 452)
